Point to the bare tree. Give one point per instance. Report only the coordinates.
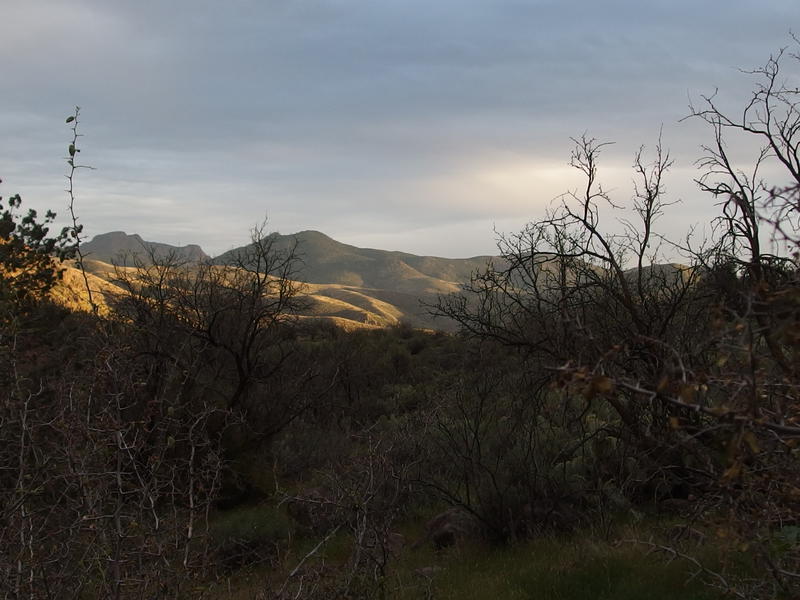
(688, 357)
(238, 317)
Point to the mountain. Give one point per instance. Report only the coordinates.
(70, 289)
(120, 248)
(347, 285)
(326, 261)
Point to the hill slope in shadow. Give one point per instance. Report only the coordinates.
(119, 247)
(324, 260)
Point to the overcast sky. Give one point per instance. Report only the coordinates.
(397, 124)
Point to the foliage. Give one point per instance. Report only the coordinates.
(27, 255)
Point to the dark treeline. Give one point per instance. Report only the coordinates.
(140, 445)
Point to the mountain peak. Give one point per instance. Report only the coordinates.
(114, 236)
(117, 246)
(328, 261)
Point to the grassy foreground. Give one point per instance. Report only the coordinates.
(572, 567)
(555, 569)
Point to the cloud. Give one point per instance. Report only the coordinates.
(360, 119)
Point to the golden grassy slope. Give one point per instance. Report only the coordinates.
(71, 290)
(348, 307)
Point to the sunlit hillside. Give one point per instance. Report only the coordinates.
(349, 307)
(71, 292)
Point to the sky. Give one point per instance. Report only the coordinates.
(428, 127)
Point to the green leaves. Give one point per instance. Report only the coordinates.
(27, 252)
(72, 150)
(70, 118)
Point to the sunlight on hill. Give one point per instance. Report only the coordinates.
(347, 307)
(70, 291)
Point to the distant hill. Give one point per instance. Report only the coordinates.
(70, 289)
(347, 307)
(371, 307)
(120, 248)
(326, 261)
(347, 285)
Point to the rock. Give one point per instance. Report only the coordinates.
(311, 510)
(688, 534)
(449, 527)
(427, 572)
(675, 505)
(395, 542)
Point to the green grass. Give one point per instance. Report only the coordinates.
(576, 567)
(549, 569)
(262, 523)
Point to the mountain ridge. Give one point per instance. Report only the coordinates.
(326, 260)
(118, 247)
(343, 283)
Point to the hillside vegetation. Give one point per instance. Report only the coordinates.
(349, 306)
